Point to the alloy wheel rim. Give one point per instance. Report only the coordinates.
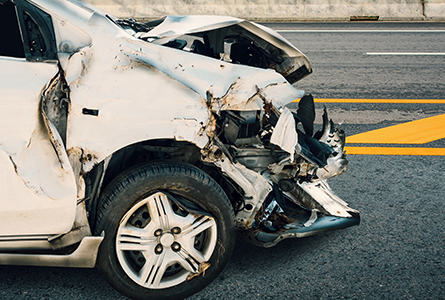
(158, 245)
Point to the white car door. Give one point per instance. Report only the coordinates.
(38, 192)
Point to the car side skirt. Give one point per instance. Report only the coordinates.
(83, 257)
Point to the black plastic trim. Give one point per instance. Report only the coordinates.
(38, 37)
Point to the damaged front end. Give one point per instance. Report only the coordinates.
(281, 171)
(276, 167)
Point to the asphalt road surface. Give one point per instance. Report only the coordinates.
(397, 252)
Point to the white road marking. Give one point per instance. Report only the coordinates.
(358, 31)
(343, 116)
(408, 53)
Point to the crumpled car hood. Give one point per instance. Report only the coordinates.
(172, 27)
(224, 85)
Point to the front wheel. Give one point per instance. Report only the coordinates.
(169, 231)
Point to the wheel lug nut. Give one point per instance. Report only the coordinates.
(158, 232)
(158, 249)
(176, 230)
(176, 247)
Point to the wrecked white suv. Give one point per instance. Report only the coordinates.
(143, 148)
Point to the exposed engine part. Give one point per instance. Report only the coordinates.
(282, 216)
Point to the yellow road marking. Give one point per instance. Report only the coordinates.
(415, 132)
(412, 101)
(394, 151)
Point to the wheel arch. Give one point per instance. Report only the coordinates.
(150, 151)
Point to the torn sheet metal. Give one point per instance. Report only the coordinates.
(331, 203)
(173, 27)
(255, 187)
(320, 225)
(285, 134)
(227, 86)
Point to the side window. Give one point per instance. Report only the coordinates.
(37, 32)
(29, 31)
(12, 42)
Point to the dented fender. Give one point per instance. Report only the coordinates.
(109, 77)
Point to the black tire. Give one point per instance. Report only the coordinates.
(134, 249)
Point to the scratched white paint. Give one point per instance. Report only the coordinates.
(37, 195)
(146, 91)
